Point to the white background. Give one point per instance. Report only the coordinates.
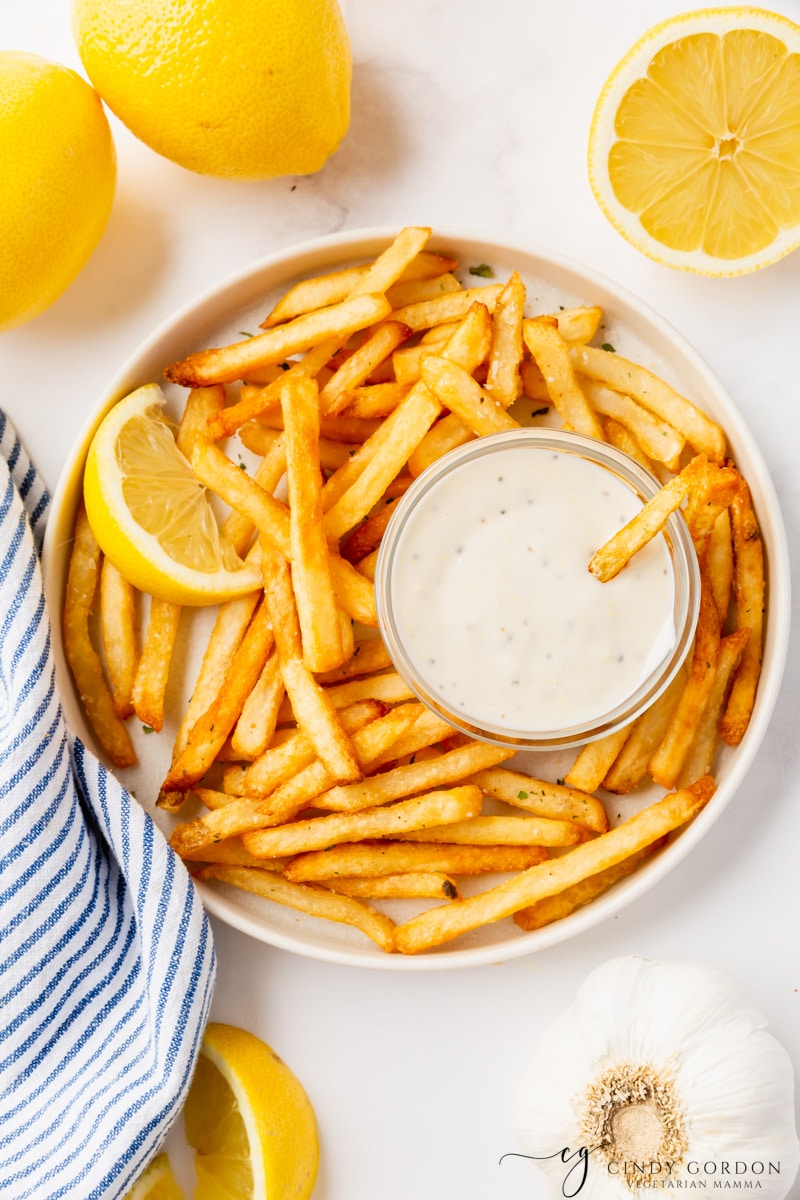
(468, 114)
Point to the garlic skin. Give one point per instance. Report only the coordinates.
(666, 1073)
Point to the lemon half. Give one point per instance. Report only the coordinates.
(249, 1121)
(151, 516)
(694, 149)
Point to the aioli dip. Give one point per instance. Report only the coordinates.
(492, 601)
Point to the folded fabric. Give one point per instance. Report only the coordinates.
(106, 957)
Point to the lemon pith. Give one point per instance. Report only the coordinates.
(249, 1121)
(694, 150)
(57, 181)
(246, 89)
(150, 515)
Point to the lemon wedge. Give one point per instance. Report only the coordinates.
(157, 1183)
(694, 149)
(249, 1121)
(149, 513)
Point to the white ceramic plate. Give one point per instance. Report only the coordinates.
(636, 332)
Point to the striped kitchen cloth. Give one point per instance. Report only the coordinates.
(106, 958)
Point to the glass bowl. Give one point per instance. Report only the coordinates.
(518, 644)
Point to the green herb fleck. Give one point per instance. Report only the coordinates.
(484, 270)
(607, 346)
(244, 333)
(242, 466)
(148, 729)
(522, 795)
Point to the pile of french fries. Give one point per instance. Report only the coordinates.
(316, 779)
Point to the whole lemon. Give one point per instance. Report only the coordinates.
(57, 179)
(246, 89)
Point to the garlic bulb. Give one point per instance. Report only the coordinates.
(661, 1077)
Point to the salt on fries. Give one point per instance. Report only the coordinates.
(317, 781)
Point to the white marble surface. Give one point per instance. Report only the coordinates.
(475, 115)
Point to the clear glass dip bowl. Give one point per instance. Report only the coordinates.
(417, 508)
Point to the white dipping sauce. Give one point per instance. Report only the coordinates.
(494, 603)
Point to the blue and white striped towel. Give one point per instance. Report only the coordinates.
(106, 959)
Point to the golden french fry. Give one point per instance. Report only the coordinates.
(428, 729)
(450, 306)
(369, 655)
(653, 393)
(413, 291)
(706, 503)
(700, 758)
(439, 925)
(719, 563)
(318, 833)
(555, 908)
(542, 798)
(651, 518)
(370, 859)
(366, 537)
(657, 439)
(748, 588)
(351, 430)
(456, 389)
(259, 716)
(270, 516)
(229, 852)
(227, 363)
(551, 352)
(502, 831)
(355, 594)
(210, 731)
(594, 760)
(414, 777)
(503, 380)
(312, 581)
(630, 766)
(578, 324)
(390, 688)
(375, 399)
(316, 902)
(666, 763)
(84, 662)
(118, 629)
(238, 528)
(152, 673)
(313, 710)
(337, 392)
(425, 885)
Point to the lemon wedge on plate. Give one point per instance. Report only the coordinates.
(249, 1121)
(157, 1183)
(694, 149)
(149, 513)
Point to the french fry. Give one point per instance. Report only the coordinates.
(355, 594)
(719, 563)
(450, 306)
(336, 393)
(227, 363)
(209, 733)
(81, 655)
(630, 766)
(502, 831)
(339, 428)
(366, 537)
(654, 394)
(705, 504)
(259, 716)
(371, 859)
(594, 760)
(618, 435)
(455, 389)
(551, 352)
(390, 688)
(375, 400)
(369, 655)
(314, 712)
(749, 589)
(666, 763)
(413, 291)
(238, 528)
(578, 324)
(503, 381)
(270, 516)
(118, 628)
(442, 924)
(657, 439)
(414, 777)
(230, 852)
(319, 833)
(424, 885)
(542, 798)
(316, 902)
(556, 908)
(651, 518)
(700, 758)
(152, 672)
(428, 729)
(312, 581)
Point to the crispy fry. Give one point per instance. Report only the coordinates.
(426, 885)
(336, 393)
(719, 563)
(428, 729)
(666, 763)
(366, 537)
(118, 627)
(439, 925)
(390, 688)
(371, 859)
(230, 852)
(594, 760)
(706, 503)
(432, 809)
(369, 655)
(617, 435)
(578, 324)
(658, 439)
(259, 716)
(651, 518)
(216, 471)
(376, 399)
(81, 655)
(413, 291)
(317, 902)
(450, 306)
(551, 352)
(630, 766)
(653, 393)
(152, 673)
(502, 831)
(544, 799)
(455, 389)
(238, 528)
(503, 380)
(749, 588)
(555, 908)
(232, 362)
(700, 758)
